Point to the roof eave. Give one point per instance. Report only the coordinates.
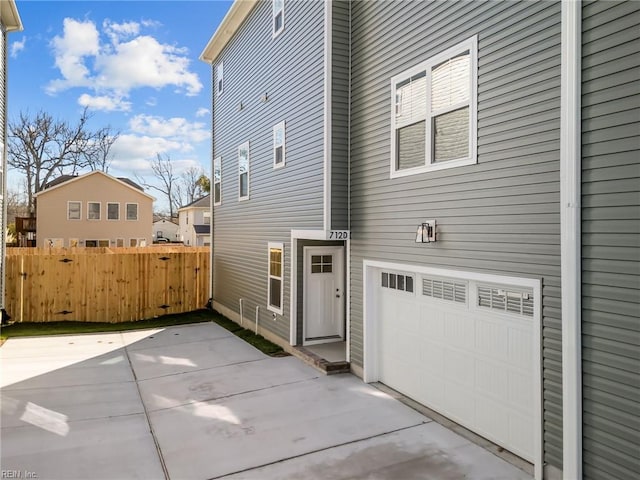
(10, 16)
(230, 24)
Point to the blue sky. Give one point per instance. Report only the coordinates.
(134, 64)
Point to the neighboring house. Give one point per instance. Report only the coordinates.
(93, 210)
(9, 22)
(423, 180)
(164, 228)
(194, 222)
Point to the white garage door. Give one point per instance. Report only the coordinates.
(463, 348)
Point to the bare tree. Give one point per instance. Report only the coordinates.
(42, 147)
(168, 182)
(190, 185)
(99, 154)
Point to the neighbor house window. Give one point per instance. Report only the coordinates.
(219, 78)
(275, 288)
(217, 181)
(433, 122)
(243, 171)
(278, 16)
(278, 145)
(113, 211)
(206, 218)
(74, 210)
(132, 211)
(119, 242)
(133, 242)
(93, 210)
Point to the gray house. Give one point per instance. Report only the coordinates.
(452, 189)
(9, 22)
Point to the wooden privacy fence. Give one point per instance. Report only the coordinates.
(105, 284)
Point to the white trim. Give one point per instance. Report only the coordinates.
(113, 219)
(217, 160)
(309, 234)
(230, 24)
(470, 44)
(274, 32)
(293, 291)
(328, 7)
(89, 202)
(247, 146)
(126, 212)
(282, 125)
(74, 201)
(570, 237)
(347, 286)
(280, 246)
(370, 340)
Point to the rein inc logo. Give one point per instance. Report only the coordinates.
(17, 474)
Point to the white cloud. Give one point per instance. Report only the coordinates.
(139, 149)
(177, 128)
(17, 47)
(202, 112)
(104, 102)
(120, 61)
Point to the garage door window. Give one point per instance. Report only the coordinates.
(505, 299)
(396, 281)
(445, 289)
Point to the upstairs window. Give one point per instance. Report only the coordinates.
(206, 218)
(278, 145)
(243, 171)
(217, 181)
(278, 17)
(132, 211)
(219, 78)
(74, 210)
(434, 112)
(275, 291)
(113, 211)
(93, 210)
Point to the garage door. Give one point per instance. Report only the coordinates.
(463, 348)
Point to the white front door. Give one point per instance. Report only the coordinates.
(323, 294)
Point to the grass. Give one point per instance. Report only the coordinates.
(29, 329)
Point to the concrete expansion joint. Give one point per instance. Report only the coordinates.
(173, 374)
(364, 439)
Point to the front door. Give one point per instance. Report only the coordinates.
(323, 294)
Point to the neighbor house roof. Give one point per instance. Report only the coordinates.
(10, 16)
(64, 180)
(202, 229)
(227, 29)
(203, 202)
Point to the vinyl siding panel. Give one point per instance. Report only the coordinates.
(340, 51)
(498, 216)
(611, 239)
(289, 70)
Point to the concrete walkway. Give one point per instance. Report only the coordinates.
(196, 402)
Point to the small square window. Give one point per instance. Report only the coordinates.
(93, 210)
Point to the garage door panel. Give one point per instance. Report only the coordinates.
(468, 362)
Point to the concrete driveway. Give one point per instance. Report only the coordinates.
(196, 402)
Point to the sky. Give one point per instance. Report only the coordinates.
(133, 64)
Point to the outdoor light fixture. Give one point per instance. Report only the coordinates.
(426, 232)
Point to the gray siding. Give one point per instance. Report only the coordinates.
(289, 69)
(611, 239)
(499, 216)
(340, 115)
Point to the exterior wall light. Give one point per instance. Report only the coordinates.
(426, 232)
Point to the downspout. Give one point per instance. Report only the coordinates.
(570, 239)
(212, 193)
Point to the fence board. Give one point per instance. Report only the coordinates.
(105, 284)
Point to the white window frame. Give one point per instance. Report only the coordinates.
(275, 246)
(246, 146)
(133, 242)
(219, 78)
(276, 128)
(113, 219)
(126, 213)
(274, 14)
(79, 213)
(217, 180)
(472, 46)
(99, 211)
(120, 242)
(206, 218)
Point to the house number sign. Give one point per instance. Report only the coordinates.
(338, 234)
